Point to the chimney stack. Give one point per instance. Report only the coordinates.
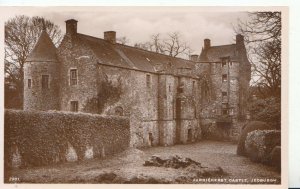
(110, 36)
(71, 27)
(239, 39)
(194, 57)
(206, 44)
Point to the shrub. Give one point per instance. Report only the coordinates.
(267, 110)
(259, 145)
(42, 137)
(248, 127)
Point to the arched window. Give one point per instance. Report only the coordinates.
(119, 111)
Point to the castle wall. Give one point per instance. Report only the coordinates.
(139, 101)
(37, 98)
(220, 116)
(187, 123)
(76, 55)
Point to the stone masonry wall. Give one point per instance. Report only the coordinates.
(74, 54)
(36, 98)
(138, 100)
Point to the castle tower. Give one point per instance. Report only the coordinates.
(41, 76)
(187, 126)
(166, 98)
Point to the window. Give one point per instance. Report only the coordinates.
(224, 94)
(225, 105)
(225, 108)
(74, 106)
(193, 86)
(223, 63)
(119, 111)
(169, 88)
(224, 77)
(45, 81)
(224, 112)
(29, 83)
(73, 77)
(148, 80)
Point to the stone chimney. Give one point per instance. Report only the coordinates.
(239, 38)
(71, 27)
(110, 36)
(206, 44)
(194, 57)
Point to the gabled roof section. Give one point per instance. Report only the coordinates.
(214, 53)
(131, 57)
(44, 50)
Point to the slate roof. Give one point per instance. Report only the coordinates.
(44, 50)
(131, 57)
(214, 53)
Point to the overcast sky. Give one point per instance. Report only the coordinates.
(139, 23)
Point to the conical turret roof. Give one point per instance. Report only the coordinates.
(44, 50)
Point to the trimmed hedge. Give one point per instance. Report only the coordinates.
(43, 138)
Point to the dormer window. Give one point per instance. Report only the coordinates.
(73, 77)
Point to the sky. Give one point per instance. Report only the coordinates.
(139, 23)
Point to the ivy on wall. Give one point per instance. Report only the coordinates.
(107, 93)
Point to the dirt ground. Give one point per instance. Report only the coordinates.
(127, 167)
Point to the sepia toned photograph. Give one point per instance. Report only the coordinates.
(143, 95)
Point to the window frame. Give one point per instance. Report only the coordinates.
(74, 106)
(224, 78)
(73, 81)
(29, 83)
(44, 76)
(148, 80)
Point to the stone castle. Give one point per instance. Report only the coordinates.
(169, 100)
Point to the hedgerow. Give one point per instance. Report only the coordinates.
(42, 138)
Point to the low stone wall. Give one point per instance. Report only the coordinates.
(42, 138)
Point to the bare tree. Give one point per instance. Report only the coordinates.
(123, 40)
(172, 45)
(21, 34)
(263, 37)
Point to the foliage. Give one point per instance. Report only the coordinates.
(267, 110)
(247, 128)
(263, 37)
(42, 138)
(21, 34)
(108, 93)
(259, 145)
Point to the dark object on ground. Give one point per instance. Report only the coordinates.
(192, 168)
(173, 162)
(251, 126)
(276, 158)
(259, 145)
(106, 178)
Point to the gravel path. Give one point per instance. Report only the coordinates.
(129, 166)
